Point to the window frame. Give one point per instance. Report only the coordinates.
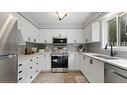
(104, 29)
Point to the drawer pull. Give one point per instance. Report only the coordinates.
(91, 61)
(30, 77)
(37, 57)
(37, 63)
(20, 71)
(31, 60)
(20, 65)
(20, 78)
(30, 67)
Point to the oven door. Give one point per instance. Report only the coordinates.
(59, 63)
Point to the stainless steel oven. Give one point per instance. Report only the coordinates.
(59, 58)
(59, 62)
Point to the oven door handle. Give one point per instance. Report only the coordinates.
(55, 60)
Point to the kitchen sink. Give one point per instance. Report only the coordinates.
(105, 57)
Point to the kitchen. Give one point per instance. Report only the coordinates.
(53, 47)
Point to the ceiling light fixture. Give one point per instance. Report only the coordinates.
(61, 15)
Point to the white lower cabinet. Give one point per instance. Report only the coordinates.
(28, 69)
(92, 69)
(73, 61)
(81, 58)
(46, 62)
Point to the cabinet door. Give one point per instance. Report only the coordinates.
(94, 70)
(97, 69)
(84, 36)
(75, 36)
(89, 33)
(45, 36)
(81, 60)
(71, 61)
(46, 65)
(86, 67)
(95, 32)
(77, 62)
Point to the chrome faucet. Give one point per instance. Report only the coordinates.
(112, 53)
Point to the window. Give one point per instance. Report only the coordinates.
(114, 30)
(123, 30)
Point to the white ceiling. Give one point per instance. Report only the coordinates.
(50, 20)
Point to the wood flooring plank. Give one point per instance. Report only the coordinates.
(69, 77)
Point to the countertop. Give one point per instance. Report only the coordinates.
(119, 62)
(22, 57)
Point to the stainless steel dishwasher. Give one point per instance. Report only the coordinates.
(114, 74)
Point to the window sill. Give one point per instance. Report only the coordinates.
(118, 48)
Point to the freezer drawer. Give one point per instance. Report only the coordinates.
(8, 68)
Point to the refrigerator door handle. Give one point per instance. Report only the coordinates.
(7, 56)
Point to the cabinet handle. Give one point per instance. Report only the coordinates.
(37, 63)
(20, 65)
(75, 55)
(86, 40)
(45, 41)
(37, 57)
(75, 41)
(30, 77)
(30, 67)
(36, 71)
(20, 78)
(31, 60)
(34, 40)
(20, 71)
(91, 61)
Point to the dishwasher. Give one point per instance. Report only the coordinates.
(114, 74)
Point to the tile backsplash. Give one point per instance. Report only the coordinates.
(71, 47)
(96, 48)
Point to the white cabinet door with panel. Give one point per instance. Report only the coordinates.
(92, 32)
(93, 70)
(73, 61)
(77, 62)
(82, 62)
(96, 31)
(97, 68)
(46, 64)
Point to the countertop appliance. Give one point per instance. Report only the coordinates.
(59, 57)
(8, 48)
(114, 74)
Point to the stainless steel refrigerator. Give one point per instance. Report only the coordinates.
(8, 48)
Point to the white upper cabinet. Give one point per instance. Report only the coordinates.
(88, 33)
(92, 32)
(28, 30)
(96, 31)
(73, 35)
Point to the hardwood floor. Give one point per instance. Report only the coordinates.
(70, 77)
